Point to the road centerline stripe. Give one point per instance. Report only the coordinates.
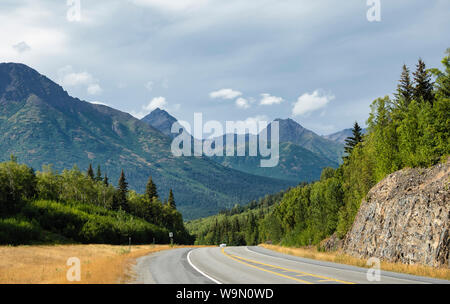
(266, 270)
(284, 269)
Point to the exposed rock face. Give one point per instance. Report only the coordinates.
(405, 218)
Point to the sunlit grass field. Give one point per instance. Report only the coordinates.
(100, 264)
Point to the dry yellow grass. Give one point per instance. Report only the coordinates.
(339, 257)
(100, 264)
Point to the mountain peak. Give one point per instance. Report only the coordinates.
(18, 81)
(161, 120)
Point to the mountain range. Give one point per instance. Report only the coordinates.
(41, 124)
(303, 154)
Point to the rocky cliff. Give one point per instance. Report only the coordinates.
(405, 218)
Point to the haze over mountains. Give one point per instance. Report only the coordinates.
(41, 124)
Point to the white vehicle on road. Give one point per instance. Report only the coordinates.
(223, 245)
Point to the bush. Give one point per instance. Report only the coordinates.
(14, 231)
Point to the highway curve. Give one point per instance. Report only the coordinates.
(253, 265)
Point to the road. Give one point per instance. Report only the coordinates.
(253, 265)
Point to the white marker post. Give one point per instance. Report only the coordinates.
(171, 238)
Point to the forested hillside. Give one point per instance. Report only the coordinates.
(409, 130)
(41, 124)
(47, 207)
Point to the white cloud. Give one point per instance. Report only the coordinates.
(94, 89)
(255, 120)
(242, 103)
(311, 102)
(225, 94)
(69, 78)
(21, 47)
(99, 103)
(171, 4)
(157, 102)
(268, 99)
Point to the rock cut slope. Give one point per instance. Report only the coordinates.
(405, 218)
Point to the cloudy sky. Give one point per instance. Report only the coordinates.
(319, 62)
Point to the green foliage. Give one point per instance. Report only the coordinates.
(51, 207)
(90, 172)
(411, 131)
(355, 139)
(171, 200)
(17, 184)
(151, 190)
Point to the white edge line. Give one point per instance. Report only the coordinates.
(198, 270)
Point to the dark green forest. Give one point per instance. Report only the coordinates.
(409, 130)
(75, 207)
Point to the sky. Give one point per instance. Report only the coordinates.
(319, 62)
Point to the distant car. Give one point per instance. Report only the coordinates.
(223, 245)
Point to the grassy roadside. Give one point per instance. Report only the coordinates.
(100, 264)
(339, 257)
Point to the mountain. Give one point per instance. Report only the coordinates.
(341, 136)
(161, 121)
(293, 132)
(296, 163)
(41, 124)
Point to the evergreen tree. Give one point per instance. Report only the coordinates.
(13, 158)
(106, 180)
(122, 192)
(171, 200)
(90, 172)
(424, 86)
(352, 141)
(405, 89)
(151, 190)
(98, 177)
(443, 78)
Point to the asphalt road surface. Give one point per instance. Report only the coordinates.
(253, 265)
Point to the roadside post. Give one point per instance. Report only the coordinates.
(171, 238)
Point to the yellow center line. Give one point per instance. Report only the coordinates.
(266, 270)
(285, 269)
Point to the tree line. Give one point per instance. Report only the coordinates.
(33, 203)
(409, 130)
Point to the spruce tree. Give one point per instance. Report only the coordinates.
(352, 141)
(171, 200)
(151, 190)
(405, 89)
(122, 192)
(106, 180)
(424, 85)
(90, 172)
(98, 177)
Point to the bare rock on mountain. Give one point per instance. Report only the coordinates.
(405, 218)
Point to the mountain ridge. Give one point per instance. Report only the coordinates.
(41, 124)
(297, 163)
